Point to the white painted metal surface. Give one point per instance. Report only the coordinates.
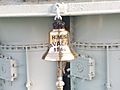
(28, 31)
(71, 9)
(95, 34)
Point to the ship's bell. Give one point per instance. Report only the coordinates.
(59, 48)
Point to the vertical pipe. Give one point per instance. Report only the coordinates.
(108, 85)
(28, 84)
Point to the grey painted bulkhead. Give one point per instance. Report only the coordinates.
(25, 31)
(90, 29)
(97, 29)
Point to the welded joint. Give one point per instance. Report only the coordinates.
(23, 47)
(45, 44)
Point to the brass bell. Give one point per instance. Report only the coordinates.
(59, 48)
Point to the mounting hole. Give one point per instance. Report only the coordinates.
(13, 74)
(13, 65)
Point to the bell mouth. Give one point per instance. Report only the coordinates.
(57, 57)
